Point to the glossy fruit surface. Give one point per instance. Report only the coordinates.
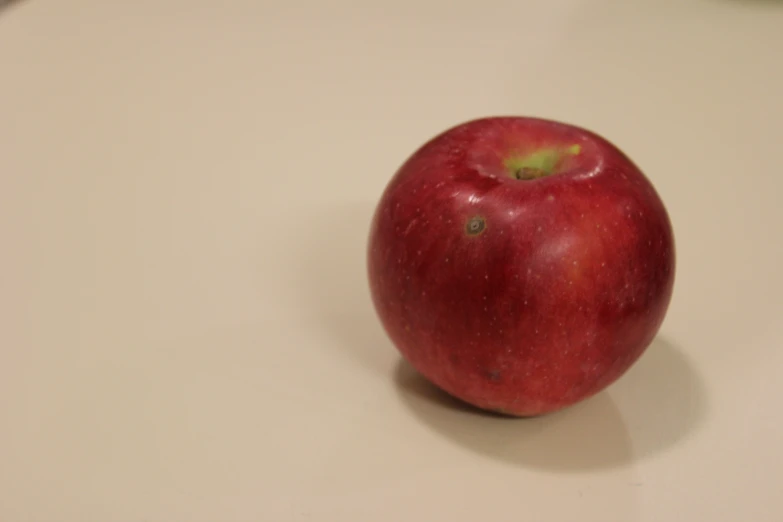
(520, 264)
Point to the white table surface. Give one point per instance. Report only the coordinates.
(185, 192)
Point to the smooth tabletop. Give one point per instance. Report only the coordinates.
(185, 194)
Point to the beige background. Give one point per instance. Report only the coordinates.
(185, 189)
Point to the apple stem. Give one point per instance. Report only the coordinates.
(528, 173)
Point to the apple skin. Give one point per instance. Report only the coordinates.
(520, 296)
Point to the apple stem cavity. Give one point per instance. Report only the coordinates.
(540, 163)
(527, 173)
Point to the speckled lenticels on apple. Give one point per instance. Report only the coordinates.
(520, 264)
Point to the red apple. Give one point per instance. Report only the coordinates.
(520, 264)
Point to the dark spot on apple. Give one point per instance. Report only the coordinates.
(494, 375)
(475, 226)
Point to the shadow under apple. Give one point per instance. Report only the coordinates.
(8, 3)
(658, 403)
